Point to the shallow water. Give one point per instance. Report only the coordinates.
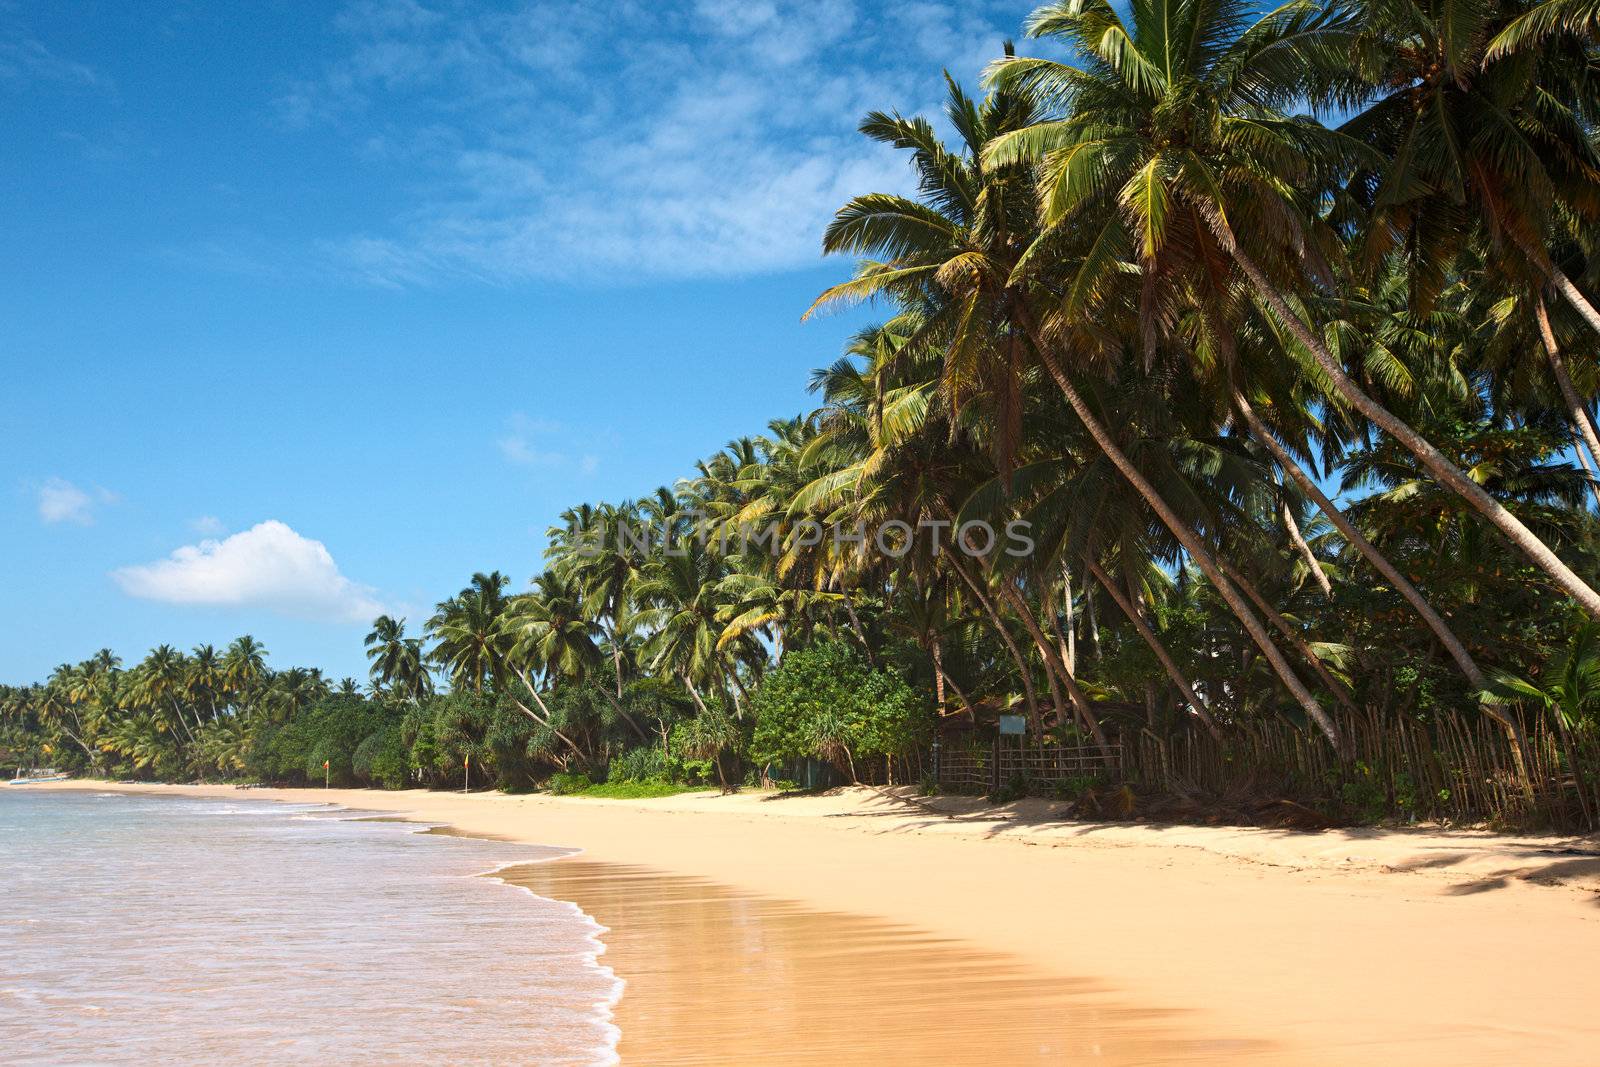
(191, 930)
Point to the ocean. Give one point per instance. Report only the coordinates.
(185, 930)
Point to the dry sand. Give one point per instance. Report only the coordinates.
(873, 928)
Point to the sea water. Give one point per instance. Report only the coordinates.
(178, 929)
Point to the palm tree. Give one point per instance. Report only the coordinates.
(244, 666)
(1169, 142)
(397, 659)
(960, 249)
(469, 642)
(1480, 113)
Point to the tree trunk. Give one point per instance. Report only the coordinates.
(693, 692)
(1093, 620)
(861, 634)
(616, 703)
(1304, 549)
(616, 658)
(1072, 622)
(545, 721)
(1588, 467)
(1559, 279)
(1054, 667)
(1160, 650)
(1301, 645)
(1582, 425)
(1447, 473)
(1193, 545)
(936, 650)
(1435, 622)
(1005, 635)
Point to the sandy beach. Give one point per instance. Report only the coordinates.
(880, 928)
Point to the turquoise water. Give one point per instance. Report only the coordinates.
(187, 930)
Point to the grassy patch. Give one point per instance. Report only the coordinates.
(637, 790)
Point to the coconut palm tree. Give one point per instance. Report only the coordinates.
(962, 249)
(469, 642)
(1167, 142)
(397, 660)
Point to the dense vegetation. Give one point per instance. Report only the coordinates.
(1297, 410)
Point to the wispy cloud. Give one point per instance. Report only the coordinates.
(534, 442)
(268, 566)
(24, 58)
(207, 526)
(61, 501)
(624, 139)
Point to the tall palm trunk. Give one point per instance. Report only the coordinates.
(1168, 664)
(1299, 542)
(1434, 621)
(1588, 467)
(1005, 635)
(1558, 277)
(1071, 639)
(1582, 425)
(860, 631)
(542, 720)
(1447, 473)
(1092, 620)
(1054, 668)
(1379, 561)
(1293, 636)
(1191, 543)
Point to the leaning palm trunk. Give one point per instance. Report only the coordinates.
(1582, 425)
(1005, 635)
(1558, 277)
(1167, 662)
(542, 720)
(1447, 473)
(1191, 543)
(1300, 546)
(1588, 467)
(1290, 634)
(1070, 642)
(1054, 668)
(1435, 622)
(860, 631)
(616, 705)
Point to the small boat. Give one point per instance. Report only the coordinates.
(38, 774)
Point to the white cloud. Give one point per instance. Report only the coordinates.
(207, 525)
(267, 566)
(61, 501)
(627, 140)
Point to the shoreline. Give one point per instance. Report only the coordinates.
(1331, 947)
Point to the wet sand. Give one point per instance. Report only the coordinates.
(1154, 943)
(716, 975)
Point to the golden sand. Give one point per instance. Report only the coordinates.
(1161, 944)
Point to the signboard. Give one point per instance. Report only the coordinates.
(1013, 724)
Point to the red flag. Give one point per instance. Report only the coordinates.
(324, 764)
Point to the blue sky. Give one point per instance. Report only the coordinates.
(310, 311)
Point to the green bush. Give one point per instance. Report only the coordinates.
(641, 765)
(567, 783)
(382, 759)
(828, 703)
(637, 790)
